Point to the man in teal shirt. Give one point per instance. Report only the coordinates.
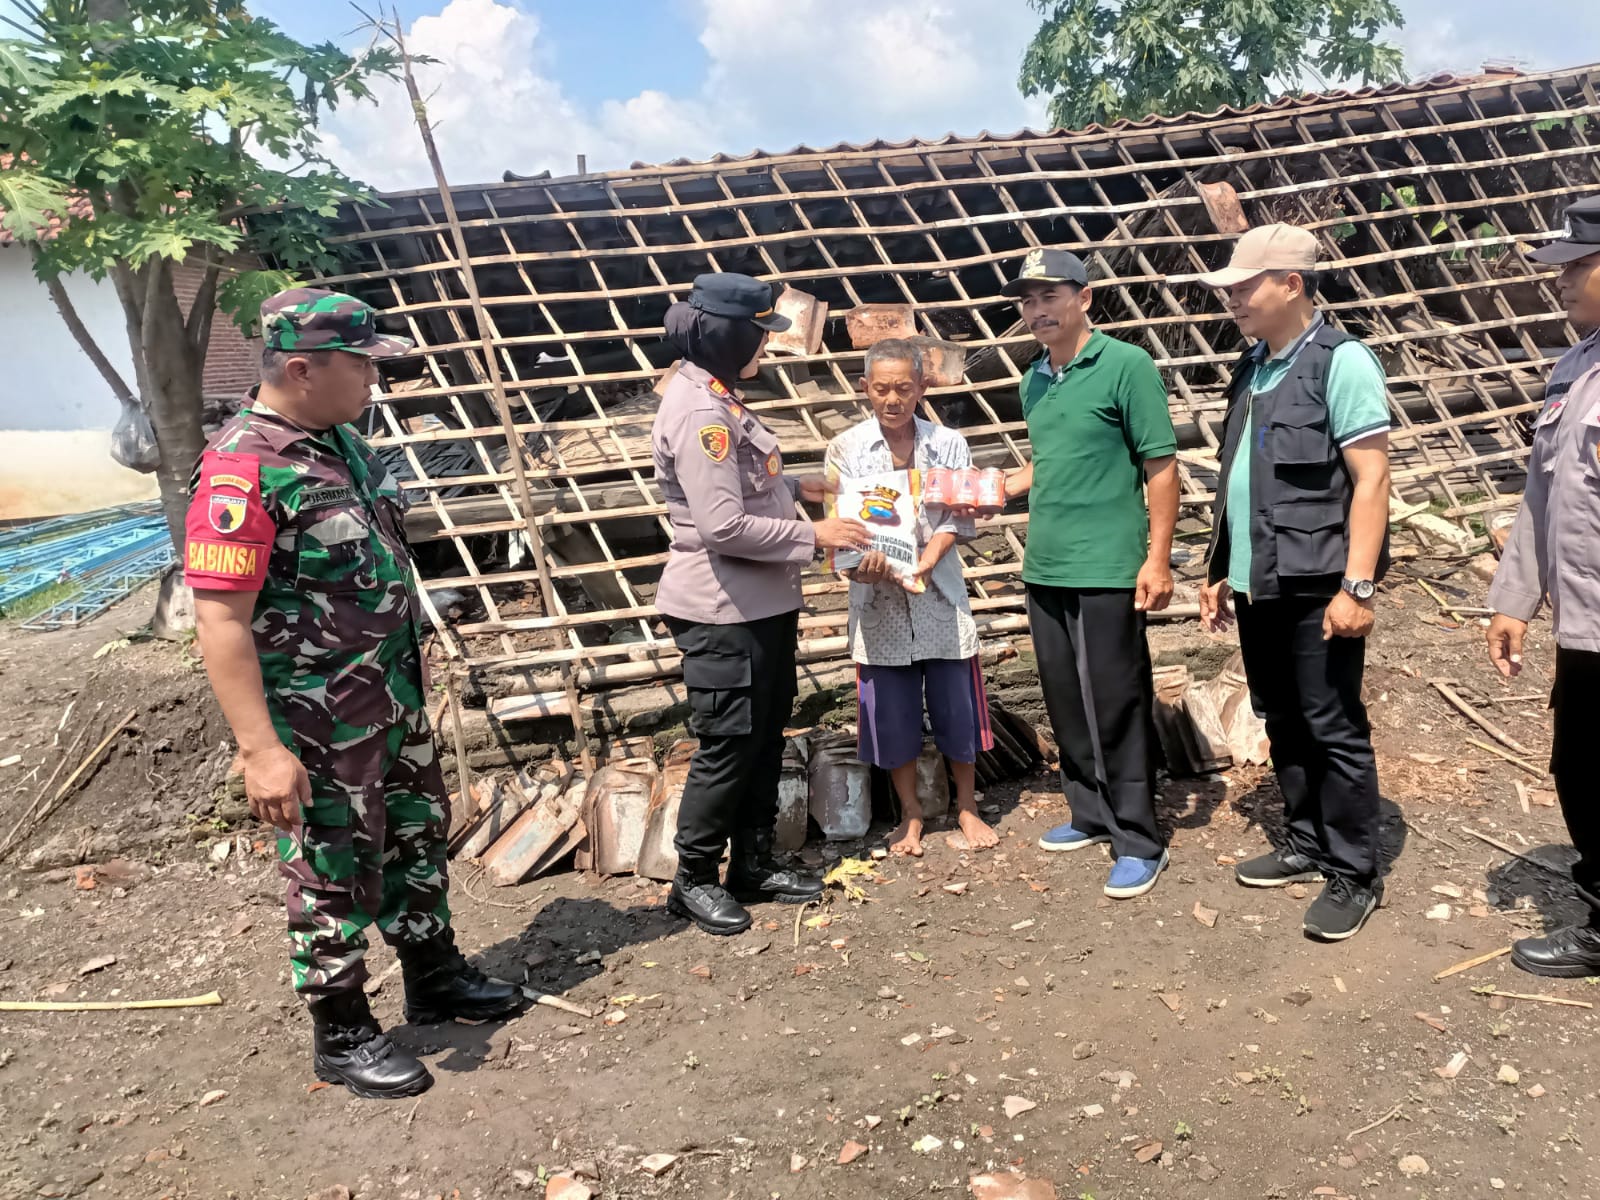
(1301, 538)
(1096, 563)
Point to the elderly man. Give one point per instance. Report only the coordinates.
(1097, 561)
(915, 638)
(1301, 536)
(309, 624)
(1554, 549)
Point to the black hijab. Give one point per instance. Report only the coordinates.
(721, 345)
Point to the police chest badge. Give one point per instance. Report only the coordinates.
(226, 513)
(716, 441)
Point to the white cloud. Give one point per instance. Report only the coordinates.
(835, 70)
(781, 72)
(490, 105)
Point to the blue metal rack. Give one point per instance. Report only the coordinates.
(107, 553)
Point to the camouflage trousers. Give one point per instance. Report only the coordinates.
(372, 847)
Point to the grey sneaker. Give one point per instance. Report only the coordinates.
(1341, 910)
(1279, 868)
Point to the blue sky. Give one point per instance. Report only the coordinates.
(528, 85)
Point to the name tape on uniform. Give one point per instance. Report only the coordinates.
(324, 496)
(221, 558)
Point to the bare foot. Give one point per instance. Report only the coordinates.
(979, 835)
(907, 839)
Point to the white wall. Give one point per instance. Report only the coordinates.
(46, 382)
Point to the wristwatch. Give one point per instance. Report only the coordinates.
(1361, 589)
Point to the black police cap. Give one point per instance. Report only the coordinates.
(1582, 239)
(1046, 267)
(726, 294)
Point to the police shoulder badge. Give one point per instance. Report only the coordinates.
(718, 388)
(774, 463)
(716, 441)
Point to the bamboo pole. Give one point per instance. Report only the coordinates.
(469, 280)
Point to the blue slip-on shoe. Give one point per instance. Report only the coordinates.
(1132, 877)
(1065, 837)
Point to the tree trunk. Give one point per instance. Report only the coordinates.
(170, 389)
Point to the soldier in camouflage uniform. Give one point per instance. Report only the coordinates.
(308, 619)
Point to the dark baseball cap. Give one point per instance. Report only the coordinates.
(316, 319)
(727, 294)
(1582, 236)
(1046, 267)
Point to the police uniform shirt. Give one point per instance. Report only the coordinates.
(738, 545)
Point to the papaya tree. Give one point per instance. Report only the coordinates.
(159, 124)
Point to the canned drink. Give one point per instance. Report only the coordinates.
(938, 486)
(966, 489)
(991, 490)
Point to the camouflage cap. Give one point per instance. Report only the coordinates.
(316, 319)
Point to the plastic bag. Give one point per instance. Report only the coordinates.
(133, 440)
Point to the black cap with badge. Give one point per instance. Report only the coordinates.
(1044, 266)
(726, 294)
(1582, 236)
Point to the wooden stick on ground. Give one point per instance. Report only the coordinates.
(1505, 849)
(39, 812)
(1439, 600)
(1510, 758)
(549, 1001)
(210, 998)
(1470, 963)
(1371, 1125)
(1536, 999)
(1477, 718)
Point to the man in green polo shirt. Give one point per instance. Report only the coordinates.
(1096, 563)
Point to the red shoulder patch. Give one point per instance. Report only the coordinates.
(228, 532)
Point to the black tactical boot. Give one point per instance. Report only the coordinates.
(349, 1048)
(754, 876)
(442, 985)
(697, 895)
(1569, 953)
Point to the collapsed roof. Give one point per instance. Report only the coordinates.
(1420, 195)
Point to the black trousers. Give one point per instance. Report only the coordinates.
(1575, 701)
(741, 685)
(1309, 693)
(1094, 669)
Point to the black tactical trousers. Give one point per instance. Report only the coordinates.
(1308, 691)
(1575, 701)
(741, 684)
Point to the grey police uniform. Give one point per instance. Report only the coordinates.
(731, 595)
(1554, 548)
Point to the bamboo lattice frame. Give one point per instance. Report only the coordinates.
(1419, 195)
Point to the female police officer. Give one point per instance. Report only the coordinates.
(731, 595)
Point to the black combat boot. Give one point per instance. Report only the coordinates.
(442, 985)
(697, 895)
(754, 875)
(349, 1048)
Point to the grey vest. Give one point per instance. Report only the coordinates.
(1300, 487)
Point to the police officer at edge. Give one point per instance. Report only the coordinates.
(730, 593)
(1554, 550)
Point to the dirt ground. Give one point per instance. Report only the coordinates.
(975, 1013)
